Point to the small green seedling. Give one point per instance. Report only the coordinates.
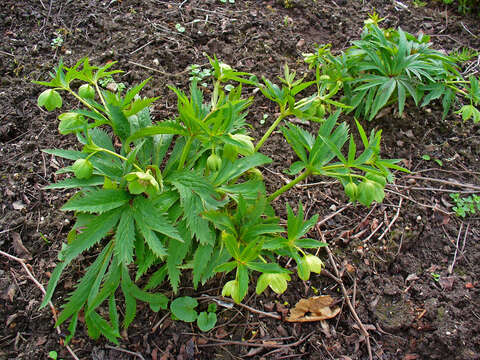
(428, 158)
(436, 277)
(263, 119)
(183, 308)
(53, 355)
(57, 41)
(466, 205)
(180, 28)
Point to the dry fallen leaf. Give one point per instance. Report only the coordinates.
(316, 308)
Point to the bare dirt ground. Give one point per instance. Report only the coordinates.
(395, 257)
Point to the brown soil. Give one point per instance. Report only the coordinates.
(413, 307)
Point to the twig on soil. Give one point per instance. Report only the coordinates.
(42, 289)
(450, 268)
(246, 343)
(125, 351)
(437, 189)
(435, 208)
(389, 226)
(328, 217)
(400, 245)
(449, 171)
(468, 31)
(6, 53)
(249, 308)
(447, 182)
(141, 47)
(373, 232)
(347, 299)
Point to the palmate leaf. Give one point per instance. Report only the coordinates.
(125, 237)
(88, 285)
(146, 213)
(200, 262)
(150, 237)
(155, 300)
(176, 253)
(230, 170)
(96, 230)
(110, 285)
(383, 95)
(72, 183)
(120, 123)
(97, 201)
(196, 196)
(97, 325)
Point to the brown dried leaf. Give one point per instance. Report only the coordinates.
(10, 294)
(316, 308)
(19, 248)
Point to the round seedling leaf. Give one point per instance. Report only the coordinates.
(184, 308)
(50, 99)
(206, 321)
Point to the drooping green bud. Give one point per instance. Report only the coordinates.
(230, 288)
(316, 265)
(277, 282)
(369, 191)
(82, 168)
(255, 174)
(247, 147)
(50, 99)
(351, 190)
(377, 178)
(214, 162)
(86, 91)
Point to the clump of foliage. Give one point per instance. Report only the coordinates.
(156, 199)
(387, 66)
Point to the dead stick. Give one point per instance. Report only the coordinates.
(453, 183)
(249, 308)
(347, 299)
(125, 351)
(246, 343)
(450, 268)
(393, 220)
(42, 289)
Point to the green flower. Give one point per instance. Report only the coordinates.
(140, 182)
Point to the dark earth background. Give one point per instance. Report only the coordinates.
(404, 294)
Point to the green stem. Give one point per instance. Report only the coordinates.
(100, 96)
(282, 116)
(186, 150)
(458, 90)
(288, 186)
(120, 157)
(85, 103)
